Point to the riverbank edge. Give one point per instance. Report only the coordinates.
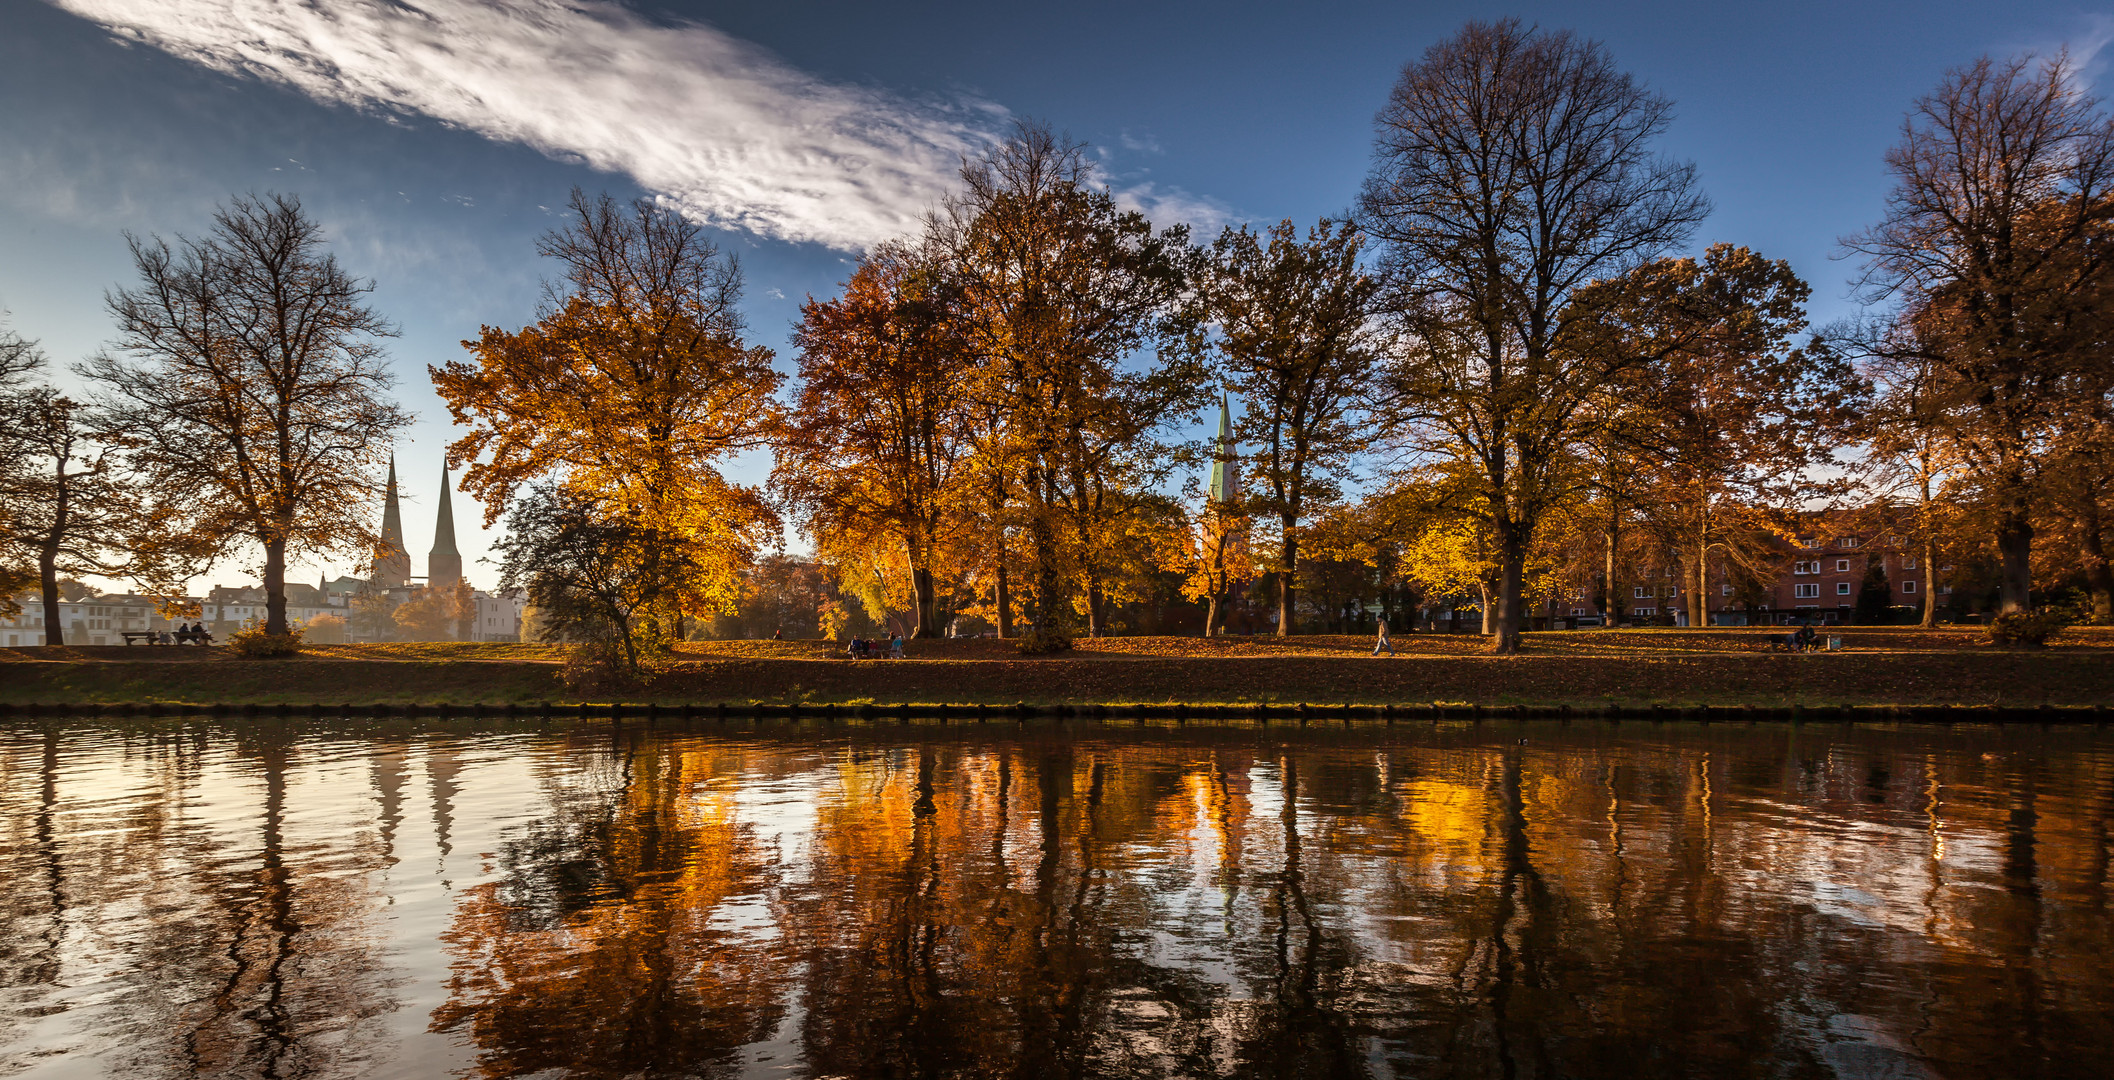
(1782, 681)
(1253, 717)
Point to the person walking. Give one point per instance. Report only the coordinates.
(1382, 642)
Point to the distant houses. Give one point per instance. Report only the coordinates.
(329, 611)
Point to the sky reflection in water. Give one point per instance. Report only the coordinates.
(287, 900)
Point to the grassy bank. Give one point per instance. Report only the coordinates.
(1880, 666)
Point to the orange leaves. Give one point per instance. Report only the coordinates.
(631, 392)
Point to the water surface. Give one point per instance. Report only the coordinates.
(278, 900)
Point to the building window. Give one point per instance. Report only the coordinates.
(1808, 542)
(1842, 588)
(1908, 587)
(1842, 566)
(1847, 541)
(1893, 541)
(1724, 590)
(1945, 590)
(1908, 562)
(1645, 611)
(1640, 593)
(1802, 568)
(1804, 589)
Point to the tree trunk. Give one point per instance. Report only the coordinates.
(275, 586)
(928, 614)
(2092, 559)
(1511, 587)
(1096, 618)
(1930, 559)
(2015, 547)
(48, 553)
(1285, 600)
(1003, 593)
(47, 567)
(1487, 609)
(1050, 619)
(1614, 608)
(1698, 586)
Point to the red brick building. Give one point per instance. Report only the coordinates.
(1822, 574)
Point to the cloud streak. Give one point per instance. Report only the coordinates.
(722, 129)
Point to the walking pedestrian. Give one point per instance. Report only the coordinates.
(1382, 642)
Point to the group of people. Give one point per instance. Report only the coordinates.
(1802, 639)
(184, 634)
(869, 649)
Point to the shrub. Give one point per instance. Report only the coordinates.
(255, 644)
(1037, 640)
(2028, 629)
(600, 667)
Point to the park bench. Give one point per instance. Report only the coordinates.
(153, 637)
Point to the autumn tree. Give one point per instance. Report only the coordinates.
(1513, 167)
(631, 389)
(372, 615)
(249, 381)
(1214, 552)
(1059, 288)
(876, 450)
(436, 613)
(1292, 340)
(71, 506)
(1995, 235)
(1727, 417)
(781, 594)
(20, 361)
(1904, 434)
(596, 571)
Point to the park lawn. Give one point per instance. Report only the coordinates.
(1880, 666)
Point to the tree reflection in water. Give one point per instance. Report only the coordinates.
(819, 901)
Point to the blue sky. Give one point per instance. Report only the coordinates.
(435, 138)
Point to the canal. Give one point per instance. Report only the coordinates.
(282, 899)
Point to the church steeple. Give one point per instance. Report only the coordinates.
(444, 563)
(392, 564)
(1225, 469)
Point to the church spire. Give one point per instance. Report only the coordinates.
(444, 563)
(1225, 472)
(392, 564)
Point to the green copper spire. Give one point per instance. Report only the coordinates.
(1225, 471)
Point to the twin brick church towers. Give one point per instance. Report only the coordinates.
(392, 564)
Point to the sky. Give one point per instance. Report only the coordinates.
(435, 140)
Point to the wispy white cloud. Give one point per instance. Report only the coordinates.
(2086, 43)
(2089, 48)
(1204, 215)
(725, 131)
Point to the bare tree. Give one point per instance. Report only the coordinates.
(1513, 166)
(250, 382)
(20, 361)
(1994, 240)
(73, 508)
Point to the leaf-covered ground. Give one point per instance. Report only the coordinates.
(1878, 666)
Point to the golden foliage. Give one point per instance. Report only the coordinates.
(632, 390)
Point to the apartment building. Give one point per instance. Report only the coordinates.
(1823, 574)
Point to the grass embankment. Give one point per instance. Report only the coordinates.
(1879, 666)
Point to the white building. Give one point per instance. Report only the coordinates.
(498, 617)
